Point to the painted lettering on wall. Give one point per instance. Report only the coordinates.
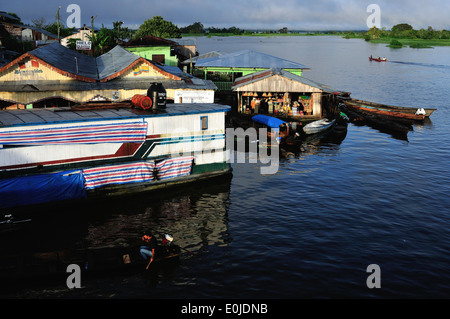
(28, 68)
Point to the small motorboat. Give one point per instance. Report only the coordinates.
(377, 59)
(318, 126)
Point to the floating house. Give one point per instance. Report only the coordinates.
(280, 92)
(159, 50)
(55, 76)
(225, 68)
(56, 155)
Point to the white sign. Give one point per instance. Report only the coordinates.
(83, 45)
(197, 96)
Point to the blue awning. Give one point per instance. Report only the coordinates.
(38, 189)
(270, 121)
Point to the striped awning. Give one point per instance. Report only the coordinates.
(139, 172)
(125, 132)
(118, 174)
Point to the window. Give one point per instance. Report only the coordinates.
(159, 58)
(204, 122)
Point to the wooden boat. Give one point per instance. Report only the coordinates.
(318, 126)
(377, 59)
(394, 112)
(90, 260)
(9, 224)
(286, 136)
(397, 129)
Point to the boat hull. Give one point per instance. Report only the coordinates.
(318, 126)
(56, 156)
(395, 112)
(377, 60)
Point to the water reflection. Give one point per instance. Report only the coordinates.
(96, 236)
(194, 218)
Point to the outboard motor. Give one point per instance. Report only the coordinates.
(157, 93)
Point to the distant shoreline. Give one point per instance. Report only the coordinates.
(405, 42)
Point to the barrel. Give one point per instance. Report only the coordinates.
(157, 93)
(142, 101)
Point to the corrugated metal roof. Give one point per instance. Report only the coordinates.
(248, 59)
(67, 60)
(6, 15)
(258, 76)
(97, 69)
(60, 115)
(114, 61)
(212, 54)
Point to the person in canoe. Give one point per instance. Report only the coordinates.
(148, 247)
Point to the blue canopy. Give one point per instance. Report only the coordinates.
(270, 121)
(44, 188)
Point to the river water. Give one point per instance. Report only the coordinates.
(308, 231)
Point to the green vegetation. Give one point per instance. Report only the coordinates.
(399, 36)
(158, 27)
(404, 34)
(395, 44)
(420, 46)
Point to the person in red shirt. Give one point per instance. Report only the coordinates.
(148, 247)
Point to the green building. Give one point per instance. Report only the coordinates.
(160, 50)
(225, 68)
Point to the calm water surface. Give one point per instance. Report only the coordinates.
(311, 230)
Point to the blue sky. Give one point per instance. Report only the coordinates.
(249, 14)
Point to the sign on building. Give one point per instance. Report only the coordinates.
(200, 96)
(83, 45)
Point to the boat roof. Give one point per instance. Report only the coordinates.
(270, 121)
(66, 115)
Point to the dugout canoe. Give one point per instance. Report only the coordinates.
(395, 112)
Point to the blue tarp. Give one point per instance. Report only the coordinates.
(270, 121)
(37, 189)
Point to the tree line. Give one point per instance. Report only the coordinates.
(106, 38)
(406, 31)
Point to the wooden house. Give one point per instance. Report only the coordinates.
(54, 75)
(279, 92)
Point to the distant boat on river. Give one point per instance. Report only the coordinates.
(377, 59)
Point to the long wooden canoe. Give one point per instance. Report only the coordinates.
(389, 110)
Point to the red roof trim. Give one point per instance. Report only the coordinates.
(121, 72)
(84, 78)
(51, 67)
